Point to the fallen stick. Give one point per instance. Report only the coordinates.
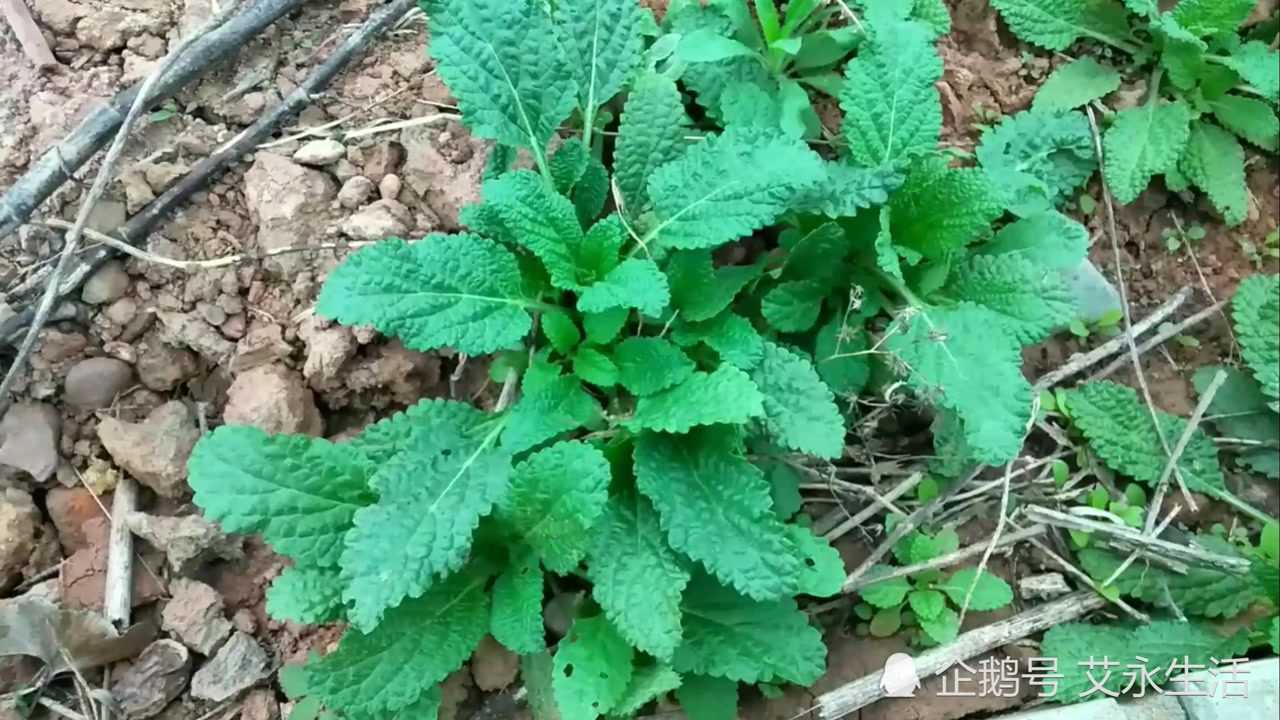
(1083, 361)
(860, 693)
(117, 604)
(1171, 467)
(949, 559)
(1165, 333)
(29, 37)
(141, 225)
(55, 166)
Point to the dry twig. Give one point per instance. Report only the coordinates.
(1166, 332)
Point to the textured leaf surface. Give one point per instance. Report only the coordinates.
(301, 493)
(515, 619)
(1214, 162)
(732, 637)
(964, 359)
(1241, 410)
(1201, 592)
(822, 572)
(835, 355)
(1077, 83)
(431, 499)
(708, 698)
(1256, 312)
(1037, 159)
(595, 367)
(1120, 431)
(647, 365)
(941, 209)
(848, 189)
(458, 291)
(648, 683)
(701, 291)
(390, 668)
(708, 80)
(724, 396)
(1055, 24)
(635, 283)
(556, 496)
(793, 306)
(540, 219)
(1210, 17)
(1032, 299)
(799, 410)
(709, 497)
(729, 186)
(602, 43)
(1160, 643)
(546, 411)
(637, 578)
(1050, 240)
(592, 667)
(1259, 66)
(1144, 141)
(990, 593)
(651, 134)
(306, 595)
(892, 109)
(927, 604)
(943, 628)
(502, 61)
(537, 672)
(1251, 119)
(731, 336)
(886, 593)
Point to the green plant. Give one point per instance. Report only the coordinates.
(1260, 254)
(1206, 86)
(1176, 237)
(929, 599)
(1107, 325)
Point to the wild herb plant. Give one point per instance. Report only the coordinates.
(1207, 87)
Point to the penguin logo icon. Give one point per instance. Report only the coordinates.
(899, 679)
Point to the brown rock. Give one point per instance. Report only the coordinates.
(238, 666)
(493, 666)
(70, 509)
(260, 705)
(57, 346)
(190, 330)
(288, 202)
(122, 311)
(188, 541)
(153, 680)
(194, 614)
(162, 367)
(107, 284)
(154, 451)
(328, 350)
(19, 522)
(383, 159)
(355, 192)
(93, 383)
(262, 345)
(273, 398)
(445, 185)
(29, 437)
(383, 219)
(84, 574)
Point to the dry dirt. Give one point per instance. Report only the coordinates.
(243, 344)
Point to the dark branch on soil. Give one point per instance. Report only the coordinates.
(56, 165)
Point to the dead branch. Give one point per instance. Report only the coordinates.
(949, 559)
(118, 596)
(1160, 337)
(29, 37)
(860, 693)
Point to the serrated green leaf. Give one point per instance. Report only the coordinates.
(886, 593)
(837, 359)
(602, 43)
(940, 209)
(1214, 162)
(537, 217)
(1056, 24)
(1256, 312)
(648, 683)
(1033, 300)
(1050, 240)
(725, 396)
(784, 488)
(592, 668)
(708, 80)
(430, 501)
(729, 186)
(591, 192)
(567, 164)
(546, 411)
(1201, 592)
(1240, 410)
(652, 133)
(701, 291)
(705, 46)
(502, 61)
(990, 593)
(1210, 17)
(709, 497)
(708, 698)
(822, 571)
(414, 647)
(814, 255)
(636, 577)
(730, 335)
(885, 622)
(595, 367)
(1144, 141)
(635, 283)
(1037, 159)
(306, 595)
(603, 327)
(732, 637)
(943, 628)
(1121, 432)
(560, 331)
(965, 360)
(1259, 66)
(1251, 119)
(799, 410)
(892, 110)
(515, 620)
(647, 365)
(458, 291)
(1077, 83)
(1080, 649)
(793, 306)
(927, 604)
(848, 189)
(299, 492)
(598, 254)
(749, 104)
(556, 496)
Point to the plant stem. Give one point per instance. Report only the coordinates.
(1236, 502)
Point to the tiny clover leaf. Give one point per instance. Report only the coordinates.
(458, 291)
(592, 668)
(990, 592)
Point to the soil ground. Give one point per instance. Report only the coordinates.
(242, 343)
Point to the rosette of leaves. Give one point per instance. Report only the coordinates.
(622, 467)
(1209, 87)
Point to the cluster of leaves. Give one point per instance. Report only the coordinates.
(1208, 86)
(928, 599)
